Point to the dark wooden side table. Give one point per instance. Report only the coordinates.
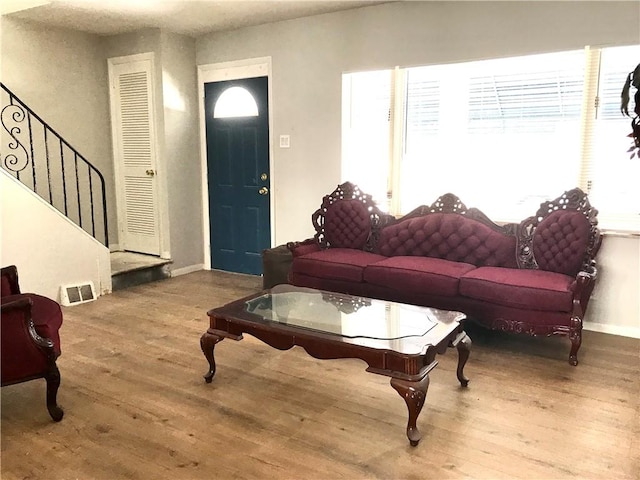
(276, 263)
(397, 340)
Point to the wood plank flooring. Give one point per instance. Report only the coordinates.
(136, 406)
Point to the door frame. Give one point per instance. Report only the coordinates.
(217, 72)
(163, 210)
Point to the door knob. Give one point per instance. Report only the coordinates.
(150, 172)
(263, 191)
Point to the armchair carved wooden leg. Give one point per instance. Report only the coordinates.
(53, 382)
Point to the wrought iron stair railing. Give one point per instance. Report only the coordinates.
(36, 155)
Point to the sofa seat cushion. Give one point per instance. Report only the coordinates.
(335, 263)
(519, 288)
(411, 274)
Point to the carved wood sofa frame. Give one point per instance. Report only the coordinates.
(524, 232)
(351, 191)
(578, 201)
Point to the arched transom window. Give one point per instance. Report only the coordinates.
(235, 102)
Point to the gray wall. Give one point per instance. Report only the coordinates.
(181, 149)
(141, 41)
(309, 56)
(62, 76)
(177, 122)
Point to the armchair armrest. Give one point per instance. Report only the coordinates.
(302, 248)
(30, 346)
(10, 285)
(17, 323)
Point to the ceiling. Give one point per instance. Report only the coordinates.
(187, 17)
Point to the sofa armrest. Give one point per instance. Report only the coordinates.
(302, 248)
(582, 288)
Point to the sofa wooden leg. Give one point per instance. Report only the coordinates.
(575, 335)
(53, 383)
(575, 345)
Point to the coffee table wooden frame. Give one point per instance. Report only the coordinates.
(409, 373)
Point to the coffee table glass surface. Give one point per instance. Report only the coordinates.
(345, 315)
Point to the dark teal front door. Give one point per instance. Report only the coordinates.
(238, 173)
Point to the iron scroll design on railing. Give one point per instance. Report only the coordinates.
(46, 163)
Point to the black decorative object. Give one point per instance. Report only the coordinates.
(633, 80)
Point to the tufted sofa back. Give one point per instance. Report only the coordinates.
(347, 224)
(449, 236)
(560, 242)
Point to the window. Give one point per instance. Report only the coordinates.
(502, 134)
(612, 176)
(366, 119)
(235, 102)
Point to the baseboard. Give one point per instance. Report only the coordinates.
(114, 247)
(184, 270)
(633, 332)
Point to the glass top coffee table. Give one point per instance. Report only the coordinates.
(397, 340)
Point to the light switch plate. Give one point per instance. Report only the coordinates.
(284, 141)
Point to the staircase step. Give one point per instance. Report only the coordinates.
(130, 269)
(138, 277)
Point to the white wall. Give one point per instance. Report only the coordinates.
(44, 265)
(615, 303)
(309, 56)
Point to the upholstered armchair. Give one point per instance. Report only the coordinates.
(30, 338)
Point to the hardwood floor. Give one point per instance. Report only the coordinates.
(136, 405)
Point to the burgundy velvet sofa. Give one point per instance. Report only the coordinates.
(532, 277)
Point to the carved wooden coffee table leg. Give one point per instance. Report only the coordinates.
(207, 343)
(464, 348)
(414, 394)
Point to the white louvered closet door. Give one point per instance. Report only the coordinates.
(135, 155)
